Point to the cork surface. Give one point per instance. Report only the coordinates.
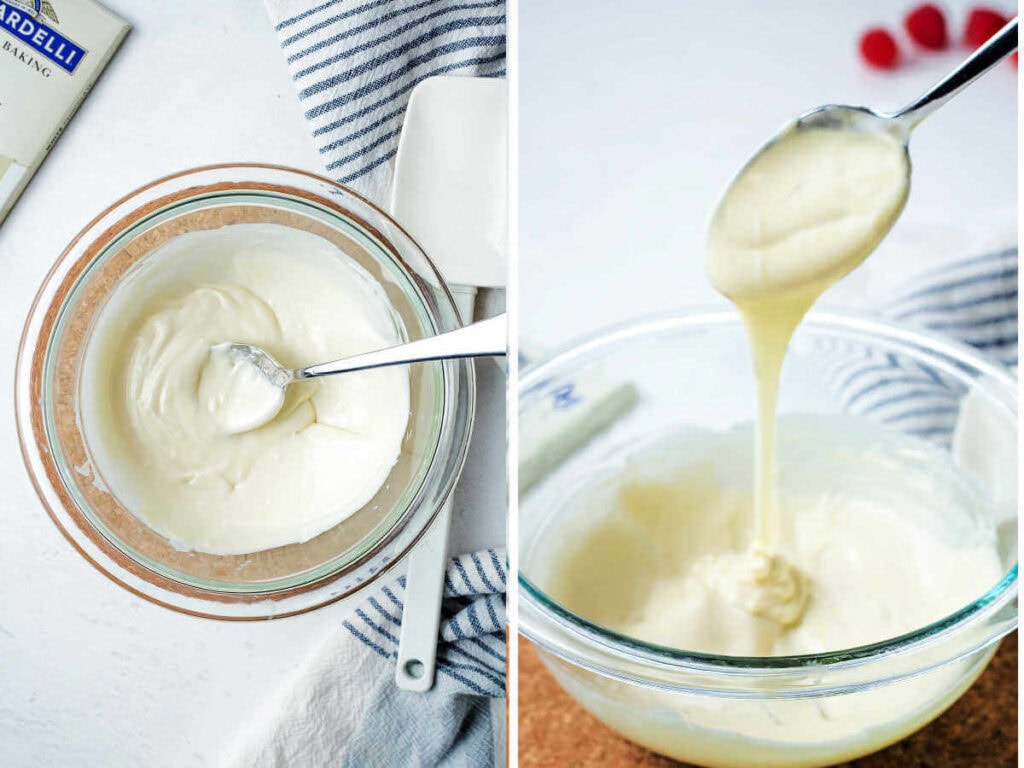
(979, 730)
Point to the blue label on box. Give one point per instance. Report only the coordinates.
(23, 21)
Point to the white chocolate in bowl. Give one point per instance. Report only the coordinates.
(891, 534)
(877, 537)
(152, 437)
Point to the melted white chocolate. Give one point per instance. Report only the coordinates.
(237, 395)
(867, 534)
(881, 534)
(167, 427)
(804, 212)
(891, 534)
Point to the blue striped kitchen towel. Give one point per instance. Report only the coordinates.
(355, 62)
(452, 725)
(471, 650)
(973, 300)
(342, 707)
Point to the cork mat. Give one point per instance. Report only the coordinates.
(979, 730)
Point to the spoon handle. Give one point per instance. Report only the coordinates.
(998, 47)
(483, 339)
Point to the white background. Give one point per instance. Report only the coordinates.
(89, 674)
(635, 115)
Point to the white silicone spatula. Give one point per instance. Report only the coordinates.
(450, 193)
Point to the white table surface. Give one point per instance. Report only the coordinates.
(89, 674)
(634, 116)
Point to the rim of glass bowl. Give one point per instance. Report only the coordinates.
(256, 184)
(585, 644)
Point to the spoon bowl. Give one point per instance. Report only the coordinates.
(260, 359)
(242, 387)
(746, 257)
(843, 117)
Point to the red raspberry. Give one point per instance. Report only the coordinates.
(982, 23)
(878, 48)
(926, 26)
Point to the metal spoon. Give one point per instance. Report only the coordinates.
(901, 122)
(481, 339)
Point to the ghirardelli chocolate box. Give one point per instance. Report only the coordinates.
(51, 52)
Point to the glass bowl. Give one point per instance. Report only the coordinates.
(693, 370)
(282, 581)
